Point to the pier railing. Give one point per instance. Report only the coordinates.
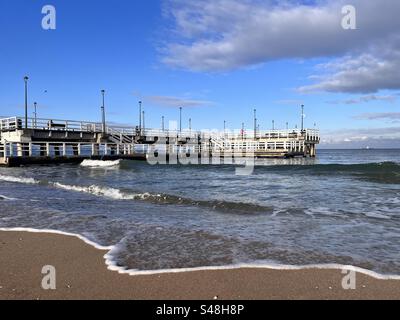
(13, 123)
(9, 124)
(65, 149)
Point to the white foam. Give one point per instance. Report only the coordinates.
(107, 192)
(94, 190)
(100, 163)
(7, 198)
(18, 179)
(49, 231)
(112, 265)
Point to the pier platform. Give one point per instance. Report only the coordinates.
(49, 141)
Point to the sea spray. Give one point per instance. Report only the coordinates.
(100, 163)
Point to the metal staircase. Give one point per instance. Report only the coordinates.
(117, 136)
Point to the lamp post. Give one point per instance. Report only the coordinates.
(255, 124)
(162, 123)
(190, 125)
(287, 125)
(103, 113)
(180, 119)
(26, 101)
(140, 116)
(273, 125)
(144, 122)
(302, 118)
(243, 131)
(35, 114)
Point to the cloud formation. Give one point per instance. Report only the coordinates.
(361, 138)
(393, 116)
(224, 35)
(366, 99)
(175, 102)
(367, 73)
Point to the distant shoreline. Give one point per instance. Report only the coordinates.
(82, 274)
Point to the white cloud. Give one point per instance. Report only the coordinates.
(359, 138)
(366, 73)
(392, 116)
(366, 99)
(224, 35)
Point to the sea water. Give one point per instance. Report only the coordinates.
(341, 208)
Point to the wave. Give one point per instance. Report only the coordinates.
(18, 179)
(117, 194)
(97, 191)
(7, 198)
(155, 198)
(380, 172)
(100, 163)
(112, 265)
(372, 166)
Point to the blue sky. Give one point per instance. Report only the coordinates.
(208, 57)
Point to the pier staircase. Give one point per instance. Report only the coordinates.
(219, 143)
(119, 136)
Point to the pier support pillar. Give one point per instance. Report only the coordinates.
(20, 153)
(95, 149)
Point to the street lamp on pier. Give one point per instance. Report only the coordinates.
(26, 101)
(103, 113)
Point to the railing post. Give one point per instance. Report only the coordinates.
(47, 149)
(95, 149)
(64, 151)
(20, 152)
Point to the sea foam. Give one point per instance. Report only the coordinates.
(97, 191)
(111, 264)
(100, 163)
(2, 197)
(18, 179)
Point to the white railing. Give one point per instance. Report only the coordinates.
(8, 124)
(64, 149)
(127, 133)
(14, 123)
(120, 136)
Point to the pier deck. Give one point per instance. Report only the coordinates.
(47, 141)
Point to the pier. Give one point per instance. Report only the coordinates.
(44, 141)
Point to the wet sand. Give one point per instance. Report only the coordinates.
(82, 274)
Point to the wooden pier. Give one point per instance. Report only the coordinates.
(47, 141)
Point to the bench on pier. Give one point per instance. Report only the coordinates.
(53, 125)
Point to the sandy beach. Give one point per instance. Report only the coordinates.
(82, 274)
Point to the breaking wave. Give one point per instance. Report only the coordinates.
(7, 198)
(18, 179)
(117, 194)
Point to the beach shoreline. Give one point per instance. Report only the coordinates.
(82, 273)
